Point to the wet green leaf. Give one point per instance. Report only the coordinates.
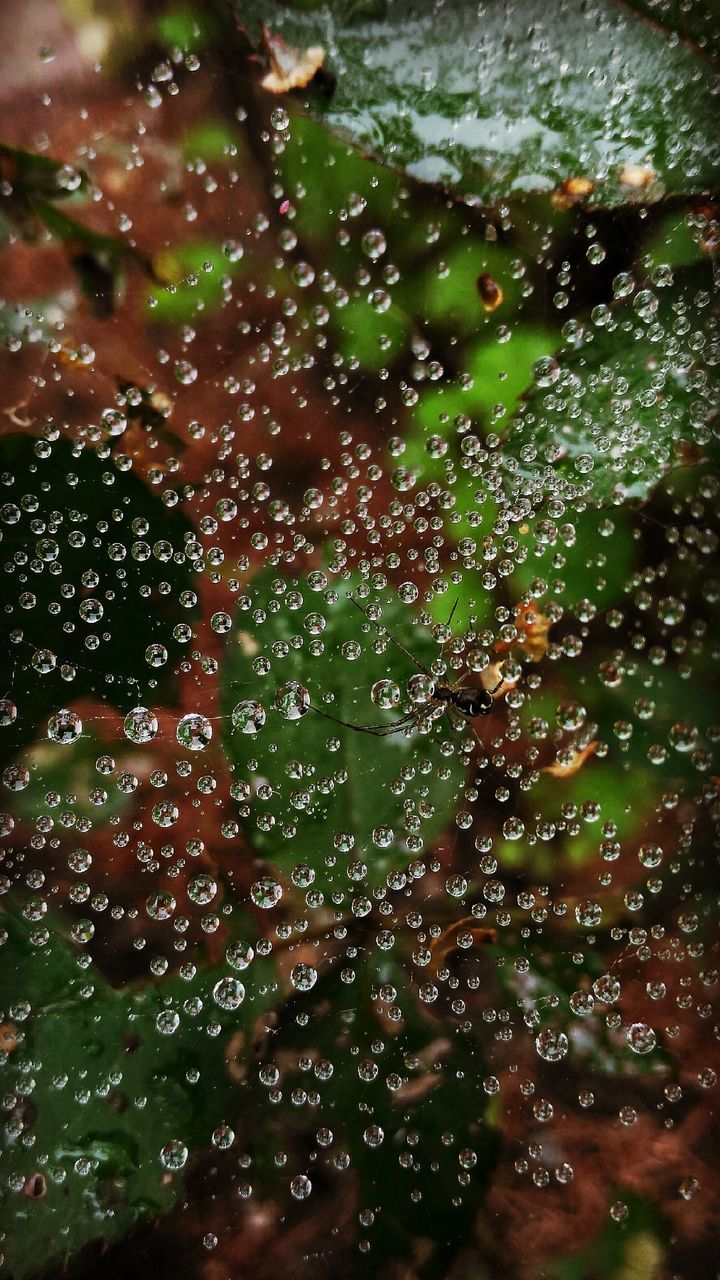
(503, 102)
(354, 786)
(410, 1110)
(125, 572)
(134, 1089)
(194, 272)
(633, 398)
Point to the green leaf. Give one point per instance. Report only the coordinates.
(633, 1249)
(445, 291)
(107, 520)
(195, 270)
(445, 1103)
(212, 140)
(697, 22)
(323, 176)
(610, 416)
(586, 556)
(101, 1090)
(187, 27)
(356, 785)
(72, 774)
(32, 183)
(499, 102)
(675, 241)
(370, 337)
(28, 176)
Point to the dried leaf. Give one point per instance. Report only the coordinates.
(8, 1037)
(493, 679)
(290, 68)
(532, 632)
(573, 191)
(414, 1090)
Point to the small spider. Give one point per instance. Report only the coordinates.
(465, 700)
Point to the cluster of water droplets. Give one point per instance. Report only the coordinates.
(349, 888)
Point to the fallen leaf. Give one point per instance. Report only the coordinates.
(12, 414)
(414, 1090)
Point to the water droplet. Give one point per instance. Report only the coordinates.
(292, 700)
(140, 725)
(551, 1045)
(248, 717)
(300, 1187)
(174, 1155)
(266, 893)
(202, 889)
(374, 244)
(194, 732)
(385, 694)
(545, 371)
(641, 1038)
(303, 977)
(65, 727)
(228, 993)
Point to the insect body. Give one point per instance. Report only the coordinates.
(464, 700)
(468, 701)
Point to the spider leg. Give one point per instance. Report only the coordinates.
(398, 726)
(395, 726)
(458, 684)
(379, 730)
(447, 624)
(391, 637)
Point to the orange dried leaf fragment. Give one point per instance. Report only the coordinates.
(493, 680)
(573, 191)
(532, 628)
(8, 1037)
(491, 293)
(289, 67)
(568, 762)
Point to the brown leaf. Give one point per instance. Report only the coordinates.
(443, 946)
(492, 678)
(415, 1090)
